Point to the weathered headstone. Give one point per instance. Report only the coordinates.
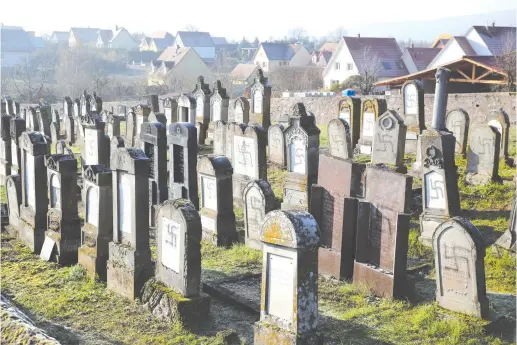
(31, 120)
(121, 110)
(170, 110)
(499, 120)
(70, 129)
(260, 92)
(64, 224)
(440, 195)
(276, 145)
(56, 120)
(68, 107)
(54, 133)
(129, 264)
(289, 302)
(219, 137)
(154, 103)
(182, 141)
(157, 117)
(458, 123)
(130, 129)
(231, 129)
(8, 101)
(97, 231)
(5, 148)
(13, 193)
(33, 211)
(483, 155)
(95, 103)
(302, 150)
(77, 108)
(142, 112)
(370, 111)
(259, 200)
(216, 209)
(389, 141)
(201, 94)
(61, 148)
(339, 139)
(218, 111)
(249, 159)
(187, 109)
(507, 240)
(96, 142)
(350, 110)
(115, 143)
(241, 110)
(112, 125)
(85, 104)
(153, 138)
(44, 117)
(459, 255)
(16, 108)
(413, 114)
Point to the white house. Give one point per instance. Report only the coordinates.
(352, 52)
(103, 38)
(122, 39)
(16, 46)
(200, 41)
(59, 37)
(83, 37)
(273, 55)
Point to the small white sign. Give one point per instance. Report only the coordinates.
(410, 100)
(125, 207)
(209, 192)
(435, 191)
(368, 124)
(90, 146)
(298, 156)
(170, 244)
(92, 206)
(280, 284)
(257, 102)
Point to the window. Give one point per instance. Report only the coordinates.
(337, 65)
(386, 65)
(349, 66)
(264, 64)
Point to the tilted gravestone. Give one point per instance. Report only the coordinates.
(389, 141)
(218, 110)
(153, 138)
(142, 113)
(231, 129)
(129, 264)
(370, 111)
(507, 240)
(260, 92)
(440, 195)
(17, 127)
(216, 209)
(483, 155)
(97, 231)
(339, 139)
(63, 229)
(499, 120)
(219, 137)
(349, 109)
(289, 296)
(302, 149)
(413, 113)
(13, 191)
(96, 149)
(33, 211)
(170, 110)
(382, 233)
(249, 159)
(259, 200)
(458, 123)
(178, 266)
(115, 143)
(241, 110)
(5, 148)
(182, 141)
(129, 138)
(201, 94)
(459, 255)
(276, 145)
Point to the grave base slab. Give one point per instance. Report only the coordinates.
(479, 179)
(268, 334)
(94, 264)
(170, 306)
(379, 282)
(428, 224)
(333, 264)
(223, 233)
(30, 235)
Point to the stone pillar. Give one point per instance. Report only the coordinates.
(440, 98)
(5, 148)
(218, 110)
(201, 95)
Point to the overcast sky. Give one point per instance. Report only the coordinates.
(233, 18)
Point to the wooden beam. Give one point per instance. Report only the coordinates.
(478, 81)
(463, 74)
(473, 72)
(483, 75)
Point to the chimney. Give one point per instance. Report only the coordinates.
(358, 35)
(493, 24)
(412, 45)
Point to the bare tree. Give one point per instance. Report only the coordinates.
(336, 34)
(297, 34)
(369, 70)
(191, 27)
(505, 61)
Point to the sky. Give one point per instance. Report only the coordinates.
(233, 18)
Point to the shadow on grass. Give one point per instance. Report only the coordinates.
(346, 332)
(490, 235)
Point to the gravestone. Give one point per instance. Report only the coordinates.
(241, 110)
(121, 110)
(260, 92)
(201, 94)
(413, 114)
(153, 138)
(178, 266)
(3, 106)
(56, 121)
(85, 104)
(259, 199)
(170, 110)
(231, 129)
(95, 103)
(187, 109)
(64, 224)
(218, 111)
(302, 154)
(112, 125)
(339, 139)
(508, 238)
(389, 141)
(499, 120)
(16, 108)
(154, 103)
(129, 264)
(44, 117)
(104, 115)
(458, 123)
(5, 148)
(54, 133)
(157, 117)
(77, 108)
(483, 155)
(382, 233)
(70, 129)
(370, 111)
(34, 207)
(440, 195)
(249, 160)
(182, 141)
(349, 109)
(96, 142)
(334, 206)
(219, 137)
(276, 145)
(289, 296)
(13, 191)
(61, 147)
(97, 231)
(68, 107)
(142, 113)
(216, 209)
(8, 108)
(115, 143)
(130, 129)
(459, 255)
(31, 120)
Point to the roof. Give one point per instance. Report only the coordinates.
(443, 38)
(387, 49)
(120, 30)
(195, 39)
(162, 43)
(106, 35)
(243, 71)
(278, 51)
(61, 36)
(329, 46)
(173, 54)
(326, 55)
(422, 57)
(495, 37)
(219, 40)
(15, 40)
(464, 45)
(37, 42)
(161, 34)
(86, 35)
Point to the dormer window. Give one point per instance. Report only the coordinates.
(386, 65)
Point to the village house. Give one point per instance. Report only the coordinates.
(157, 42)
(325, 53)
(354, 55)
(201, 42)
(243, 76)
(103, 38)
(417, 59)
(122, 39)
(59, 37)
(16, 46)
(270, 56)
(83, 37)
